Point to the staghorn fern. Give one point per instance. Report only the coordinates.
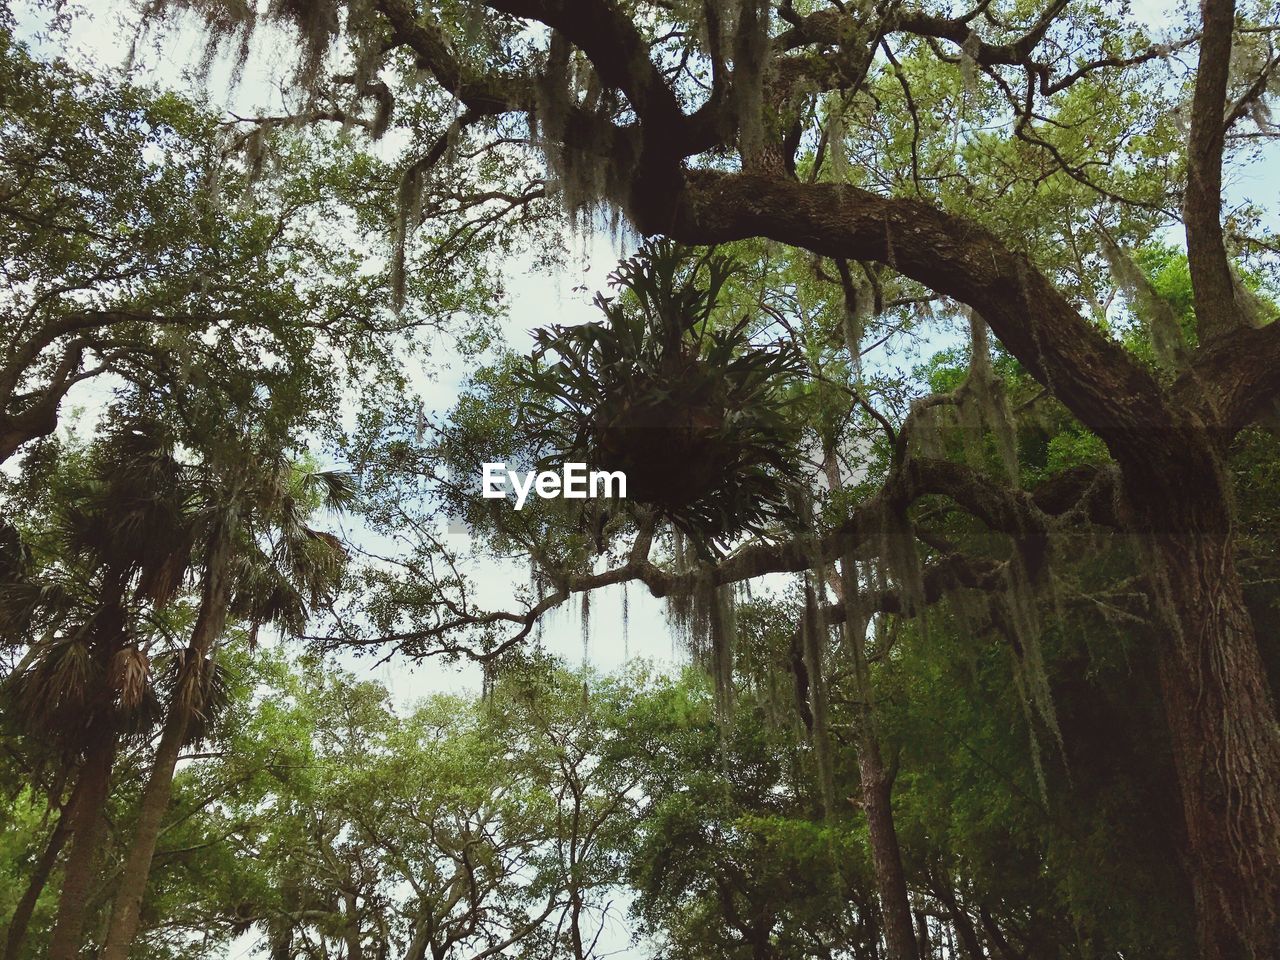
(696, 414)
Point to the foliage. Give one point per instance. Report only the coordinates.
(1001, 689)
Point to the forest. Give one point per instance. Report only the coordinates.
(936, 341)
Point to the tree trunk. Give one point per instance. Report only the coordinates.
(886, 856)
(1226, 746)
(877, 801)
(923, 945)
(960, 920)
(351, 929)
(188, 697)
(1001, 947)
(137, 867)
(86, 829)
(21, 918)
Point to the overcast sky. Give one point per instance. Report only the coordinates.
(105, 37)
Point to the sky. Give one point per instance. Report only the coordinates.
(104, 38)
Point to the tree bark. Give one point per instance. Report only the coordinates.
(1226, 747)
(877, 799)
(886, 856)
(86, 829)
(1213, 289)
(924, 947)
(210, 622)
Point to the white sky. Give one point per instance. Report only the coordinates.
(105, 37)
(538, 298)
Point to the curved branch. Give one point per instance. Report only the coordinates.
(1109, 391)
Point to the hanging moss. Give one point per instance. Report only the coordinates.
(751, 53)
(722, 629)
(703, 618)
(969, 62)
(837, 147)
(408, 214)
(232, 26)
(1154, 312)
(1021, 619)
(983, 405)
(626, 624)
(898, 562)
(1024, 699)
(928, 431)
(813, 638)
(581, 165)
(586, 626)
(1255, 311)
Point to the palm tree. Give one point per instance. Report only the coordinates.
(121, 538)
(262, 563)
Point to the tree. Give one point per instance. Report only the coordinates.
(441, 832)
(124, 539)
(258, 559)
(646, 109)
(139, 246)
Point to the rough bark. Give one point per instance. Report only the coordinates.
(1226, 748)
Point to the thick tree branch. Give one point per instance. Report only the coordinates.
(1102, 385)
(484, 95)
(1234, 379)
(1214, 289)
